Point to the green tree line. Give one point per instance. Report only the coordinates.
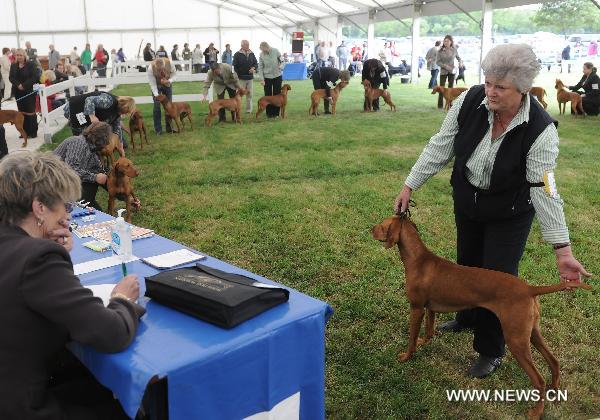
(558, 16)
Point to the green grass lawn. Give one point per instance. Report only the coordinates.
(294, 201)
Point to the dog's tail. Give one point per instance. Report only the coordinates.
(563, 285)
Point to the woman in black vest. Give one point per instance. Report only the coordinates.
(374, 71)
(23, 75)
(590, 84)
(504, 146)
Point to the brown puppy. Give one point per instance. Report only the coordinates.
(539, 92)
(136, 125)
(119, 185)
(434, 284)
(449, 94)
(176, 111)
(17, 118)
(372, 94)
(108, 152)
(279, 100)
(563, 96)
(233, 104)
(317, 95)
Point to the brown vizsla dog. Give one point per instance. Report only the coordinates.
(136, 125)
(176, 111)
(119, 186)
(372, 94)
(449, 94)
(233, 104)
(539, 92)
(434, 284)
(108, 152)
(317, 95)
(279, 100)
(563, 96)
(16, 118)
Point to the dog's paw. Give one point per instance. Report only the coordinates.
(403, 357)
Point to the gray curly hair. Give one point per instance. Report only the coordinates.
(516, 63)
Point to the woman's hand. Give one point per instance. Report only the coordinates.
(129, 287)
(20, 87)
(101, 179)
(262, 82)
(401, 202)
(568, 267)
(62, 236)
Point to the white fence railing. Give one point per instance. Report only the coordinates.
(90, 83)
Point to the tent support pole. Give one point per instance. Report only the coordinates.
(17, 24)
(85, 22)
(416, 40)
(154, 25)
(486, 32)
(371, 35)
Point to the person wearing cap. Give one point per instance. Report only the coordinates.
(222, 77)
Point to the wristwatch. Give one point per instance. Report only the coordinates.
(559, 246)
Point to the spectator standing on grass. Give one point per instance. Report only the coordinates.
(73, 56)
(434, 69)
(342, 55)
(197, 59)
(121, 56)
(227, 56)
(101, 58)
(565, 56)
(162, 53)
(53, 57)
(270, 65)
(592, 50)
(86, 58)
(186, 54)
(175, 56)
(211, 54)
(245, 65)
(149, 53)
(446, 56)
(5, 71)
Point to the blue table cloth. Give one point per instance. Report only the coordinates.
(213, 373)
(294, 71)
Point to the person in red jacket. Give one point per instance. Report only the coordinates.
(101, 58)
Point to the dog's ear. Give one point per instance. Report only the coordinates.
(393, 233)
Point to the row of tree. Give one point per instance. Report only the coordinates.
(558, 16)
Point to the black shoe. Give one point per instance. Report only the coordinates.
(484, 366)
(327, 113)
(451, 326)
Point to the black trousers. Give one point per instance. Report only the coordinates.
(590, 106)
(27, 104)
(443, 78)
(273, 87)
(433, 80)
(495, 246)
(3, 145)
(375, 104)
(79, 394)
(319, 83)
(88, 193)
(221, 95)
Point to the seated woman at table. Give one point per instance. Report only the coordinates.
(42, 303)
(81, 154)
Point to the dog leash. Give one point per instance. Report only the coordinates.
(406, 213)
(36, 89)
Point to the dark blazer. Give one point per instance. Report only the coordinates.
(590, 86)
(374, 71)
(242, 64)
(42, 307)
(27, 76)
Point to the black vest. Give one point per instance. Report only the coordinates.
(76, 104)
(508, 193)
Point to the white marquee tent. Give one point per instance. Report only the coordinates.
(121, 23)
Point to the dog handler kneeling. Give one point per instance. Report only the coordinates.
(505, 147)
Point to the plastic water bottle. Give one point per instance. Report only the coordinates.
(121, 242)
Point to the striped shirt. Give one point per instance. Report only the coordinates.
(81, 156)
(540, 159)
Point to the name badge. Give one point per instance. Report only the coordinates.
(595, 86)
(81, 118)
(550, 184)
(383, 75)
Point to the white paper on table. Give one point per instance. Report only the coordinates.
(102, 291)
(95, 265)
(173, 259)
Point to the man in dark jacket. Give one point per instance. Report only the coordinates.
(326, 78)
(374, 71)
(149, 53)
(244, 64)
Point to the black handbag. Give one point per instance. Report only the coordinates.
(215, 296)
